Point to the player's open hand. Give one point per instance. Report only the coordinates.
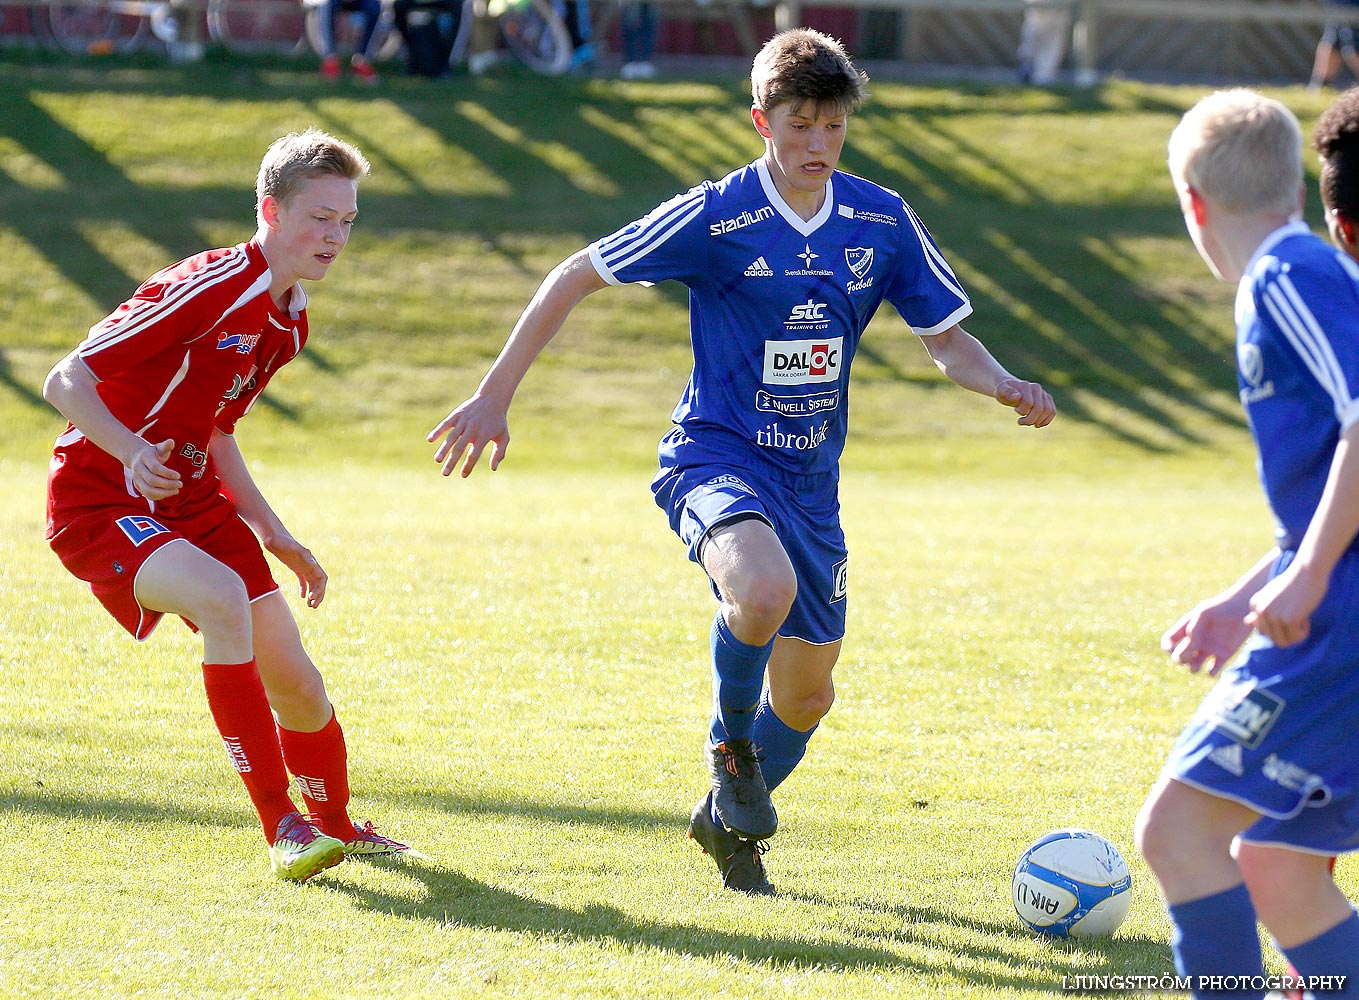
(311, 578)
(151, 476)
(1029, 399)
(1208, 636)
(467, 431)
(1282, 608)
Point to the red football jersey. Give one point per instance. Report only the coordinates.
(189, 352)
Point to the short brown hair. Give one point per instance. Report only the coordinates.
(300, 156)
(802, 65)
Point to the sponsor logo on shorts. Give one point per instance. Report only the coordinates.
(140, 528)
(805, 405)
(242, 343)
(797, 361)
(1243, 712)
(726, 481)
(1228, 757)
(840, 580)
(1290, 776)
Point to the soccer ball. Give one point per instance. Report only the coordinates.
(1071, 883)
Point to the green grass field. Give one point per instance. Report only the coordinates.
(519, 660)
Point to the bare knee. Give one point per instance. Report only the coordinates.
(1273, 876)
(1159, 836)
(759, 608)
(804, 709)
(223, 608)
(1150, 835)
(302, 688)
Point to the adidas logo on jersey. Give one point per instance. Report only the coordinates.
(759, 268)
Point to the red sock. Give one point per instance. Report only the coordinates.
(241, 711)
(320, 766)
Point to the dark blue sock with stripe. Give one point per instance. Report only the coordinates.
(781, 746)
(738, 676)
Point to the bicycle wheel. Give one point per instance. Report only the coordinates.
(349, 31)
(257, 25)
(96, 27)
(537, 35)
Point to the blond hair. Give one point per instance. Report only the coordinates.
(301, 156)
(1241, 150)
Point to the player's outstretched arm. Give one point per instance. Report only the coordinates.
(73, 391)
(1210, 633)
(1282, 608)
(240, 488)
(483, 419)
(967, 362)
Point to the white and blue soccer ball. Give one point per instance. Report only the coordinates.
(1071, 883)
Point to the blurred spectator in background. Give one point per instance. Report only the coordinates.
(576, 14)
(1337, 43)
(1043, 40)
(638, 28)
(360, 63)
(483, 38)
(428, 28)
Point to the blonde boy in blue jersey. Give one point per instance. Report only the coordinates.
(1262, 787)
(786, 261)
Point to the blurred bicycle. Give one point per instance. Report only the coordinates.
(100, 27)
(534, 31)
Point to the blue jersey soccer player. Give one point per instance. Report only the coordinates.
(786, 261)
(1262, 787)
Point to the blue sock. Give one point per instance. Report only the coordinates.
(780, 745)
(738, 676)
(1216, 936)
(1334, 953)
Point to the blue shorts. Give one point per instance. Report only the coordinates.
(804, 512)
(1280, 730)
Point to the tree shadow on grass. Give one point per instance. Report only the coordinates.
(8, 381)
(453, 898)
(1101, 955)
(906, 925)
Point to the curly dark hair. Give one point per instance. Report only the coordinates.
(1336, 138)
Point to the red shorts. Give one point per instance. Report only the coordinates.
(108, 547)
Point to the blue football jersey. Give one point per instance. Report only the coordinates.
(777, 305)
(1297, 349)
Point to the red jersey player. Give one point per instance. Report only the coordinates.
(150, 502)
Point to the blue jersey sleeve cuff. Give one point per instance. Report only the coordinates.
(954, 318)
(598, 261)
